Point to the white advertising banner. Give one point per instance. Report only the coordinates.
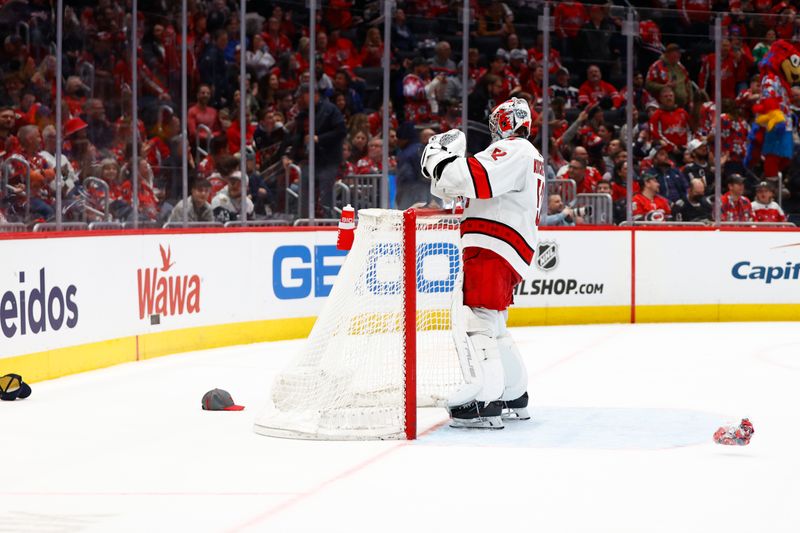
(713, 267)
(59, 292)
(578, 269)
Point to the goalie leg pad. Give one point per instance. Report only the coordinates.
(514, 371)
(478, 352)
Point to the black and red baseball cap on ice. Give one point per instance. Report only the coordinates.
(12, 387)
(219, 400)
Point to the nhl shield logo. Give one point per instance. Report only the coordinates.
(547, 255)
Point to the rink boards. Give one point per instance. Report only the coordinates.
(74, 302)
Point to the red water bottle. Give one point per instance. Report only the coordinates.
(347, 228)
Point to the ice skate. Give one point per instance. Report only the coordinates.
(476, 415)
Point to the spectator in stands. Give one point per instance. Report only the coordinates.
(202, 113)
(534, 88)
(441, 62)
(735, 67)
(196, 206)
(734, 140)
(234, 131)
(536, 55)
(417, 109)
(558, 214)
(499, 67)
(372, 163)
(482, 99)
(277, 42)
(585, 180)
(648, 204)
(518, 66)
(98, 128)
(343, 84)
(372, 50)
(669, 125)
(698, 167)
(671, 182)
(331, 132)
(412, 187)
(7, 120)
(110, 173)
(79, 150)
(268, 138)
(227, 203)
(595, 38)
(258, 189)
(346, 168)
(375, 120)
(594, 89)
(562, 89)
(213, 68)
(669, 72)
(761, 49)
(259, 60)
(619, 182)
(696, 207)
(403, 38)
(358, 143)
(734, 205)
(569, 17)
(149, 209)
(765, 209)
(651, 46)
(495, 21)
(641, 97)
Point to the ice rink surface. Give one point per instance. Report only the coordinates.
(620, 441)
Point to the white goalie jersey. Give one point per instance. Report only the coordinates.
(504, 185)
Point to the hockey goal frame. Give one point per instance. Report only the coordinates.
(421, 322)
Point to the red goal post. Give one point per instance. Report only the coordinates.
(382, 346)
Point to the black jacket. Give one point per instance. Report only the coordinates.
(331, 132)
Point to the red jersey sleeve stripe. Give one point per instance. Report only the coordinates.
(480, 179)
(499, 231)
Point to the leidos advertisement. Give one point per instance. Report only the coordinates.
(578, 268)
(34, 307)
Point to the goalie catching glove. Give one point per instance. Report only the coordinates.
(441, 150)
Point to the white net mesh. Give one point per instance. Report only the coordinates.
(349, 380)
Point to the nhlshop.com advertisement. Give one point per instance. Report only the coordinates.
(576, 269)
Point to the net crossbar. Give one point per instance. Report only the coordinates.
(384, 330)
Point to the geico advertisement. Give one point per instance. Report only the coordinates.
(578, 268)
(309, 270)
(717, 267)
(571, 269)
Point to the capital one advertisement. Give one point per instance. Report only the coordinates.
(712, 267)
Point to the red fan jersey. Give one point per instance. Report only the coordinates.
(656, 209)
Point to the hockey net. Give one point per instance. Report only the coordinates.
(382, 345)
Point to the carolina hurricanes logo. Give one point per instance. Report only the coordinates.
(503, 120)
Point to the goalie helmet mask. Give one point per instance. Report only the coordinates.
(508, 118)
